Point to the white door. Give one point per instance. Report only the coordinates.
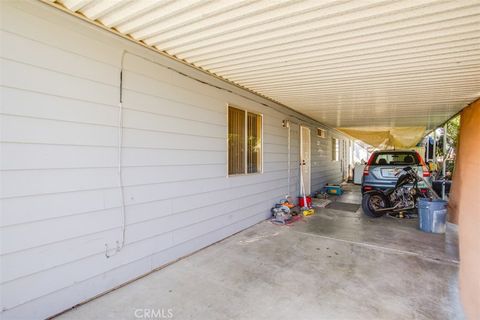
(305, 160)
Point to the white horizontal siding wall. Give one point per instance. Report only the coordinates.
(324, 170)
(60, 196)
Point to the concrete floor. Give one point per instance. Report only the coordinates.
(333, 265)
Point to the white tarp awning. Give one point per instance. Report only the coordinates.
(383, 138)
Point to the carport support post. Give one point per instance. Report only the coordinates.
(444, 166)
(434, 156)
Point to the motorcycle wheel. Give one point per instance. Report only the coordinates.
(371, 202)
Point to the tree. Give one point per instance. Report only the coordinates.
(453, 129)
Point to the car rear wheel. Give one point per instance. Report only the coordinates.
(372, 202)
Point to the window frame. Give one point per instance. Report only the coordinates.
(246, 112)
(323, 134)
(335, 149)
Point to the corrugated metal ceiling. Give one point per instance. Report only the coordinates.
(345, 63)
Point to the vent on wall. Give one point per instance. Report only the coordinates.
(321, 133)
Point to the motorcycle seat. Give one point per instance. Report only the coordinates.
(389, 191)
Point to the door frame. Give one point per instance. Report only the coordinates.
(345, 172)
(308, 187)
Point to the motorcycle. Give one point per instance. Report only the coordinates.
(402, 198)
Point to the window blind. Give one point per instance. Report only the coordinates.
(236, 141)
(254, 146)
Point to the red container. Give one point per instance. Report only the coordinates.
(301, 202)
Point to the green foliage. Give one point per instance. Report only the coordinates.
(453, 129)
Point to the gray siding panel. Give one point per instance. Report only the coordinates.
(60, 196)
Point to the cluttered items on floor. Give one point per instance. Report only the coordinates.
(307, 212)
(281, 214)
(286, 212)
(333, 190)
(320, 199)
(305, 203)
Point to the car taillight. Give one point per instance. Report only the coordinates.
(365, 170)
(426, 172)
(367, 167)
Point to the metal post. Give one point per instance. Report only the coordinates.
(434, 156)
(427, 149)
(288, 159)
(444, 166)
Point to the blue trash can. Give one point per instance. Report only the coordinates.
(432, 215)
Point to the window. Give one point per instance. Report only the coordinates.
(321, 133)
(335, 149)
(395, 159)
(244, 142)
(236, 141)
(254, 142)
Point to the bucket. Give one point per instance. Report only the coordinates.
(432, 215)
(301, 202)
